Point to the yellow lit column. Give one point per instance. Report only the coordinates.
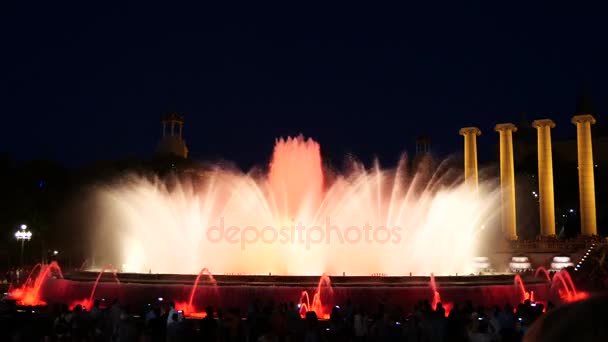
(545, 176)
(470, 154)
(507, 179)
(586, 183)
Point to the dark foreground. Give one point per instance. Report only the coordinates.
(268, 322)
(148, 307)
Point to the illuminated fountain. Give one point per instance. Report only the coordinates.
(239, 291)
(270, 234)
(188, 307)
(297, 219)
(525, 294)
(88, 303)
(560, 262)
(520, 264)
(566, 289)
(481, 264)
(542, 270)
(29, 293)
(437, 297)
(322, 300)
(562, 281)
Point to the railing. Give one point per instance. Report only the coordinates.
(548, 245)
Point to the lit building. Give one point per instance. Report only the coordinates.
(423, 155)
(172, 142)
(566, 175)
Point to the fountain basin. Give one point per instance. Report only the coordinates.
(239, 292)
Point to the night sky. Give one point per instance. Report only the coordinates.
(85, 82)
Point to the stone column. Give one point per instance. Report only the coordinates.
(586, 183)
(507, 179)
(470, 154)
(545, 176)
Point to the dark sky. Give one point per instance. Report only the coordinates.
(86, 82)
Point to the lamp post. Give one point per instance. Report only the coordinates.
(22, 235)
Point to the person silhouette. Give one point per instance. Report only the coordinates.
(580, 321)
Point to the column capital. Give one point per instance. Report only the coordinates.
(543, 123)
(505, 127)
(470, 130)
(583, 118)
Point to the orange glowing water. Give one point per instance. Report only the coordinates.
(188, 307)
(437, 297)
(29, 276)
(88, 303)
(29, 293)
(322, 300)
(358, 222)
(192, 314)
(292, 187)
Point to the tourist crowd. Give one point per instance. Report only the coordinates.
(267, 322)
(15, 276)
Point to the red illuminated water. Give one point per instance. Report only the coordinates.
(544, 271)
(188, 307)
(88, 303)
(29, 293)
(519, 284)
(29, 276)
(566, 289)
(322, 300)
(437, 297)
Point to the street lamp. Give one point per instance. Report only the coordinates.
(22, 235)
